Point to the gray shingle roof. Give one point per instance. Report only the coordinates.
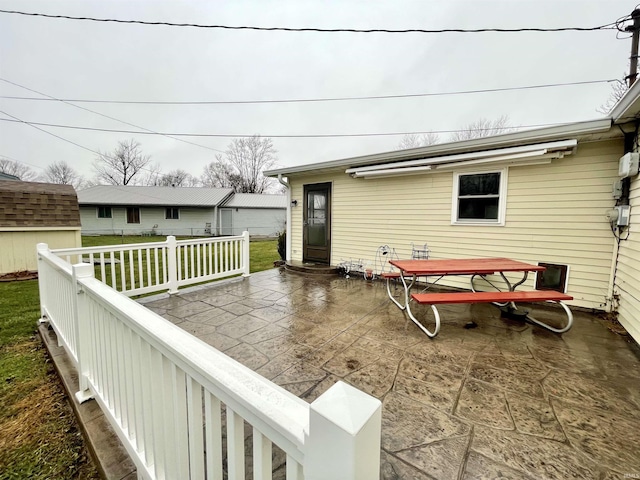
(256, 200)
(153, 196)
(33, 204)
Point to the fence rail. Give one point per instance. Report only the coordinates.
(182, 408)
(140, 268)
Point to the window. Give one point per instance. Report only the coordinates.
(133, 215)
(553, 278)
(104, 212)
(172, 213)
(479, 198)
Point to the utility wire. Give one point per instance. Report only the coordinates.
(608, 26)
(231, 135)
(309, 100)
(16, 119)
(107, 116)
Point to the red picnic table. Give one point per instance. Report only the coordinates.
(474, 267)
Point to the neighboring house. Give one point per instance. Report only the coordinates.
(536, 196)
(259, 214)
(32, 213)
(110, 209)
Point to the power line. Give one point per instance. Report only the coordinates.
(66, 102)
(309, 100)
(232, 135)
(608, 26)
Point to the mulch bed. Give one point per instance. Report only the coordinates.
(24, 275)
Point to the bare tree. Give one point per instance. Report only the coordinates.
(618, 89)
(242, 165)
(483, 127)
(23, 172)
(178, 178)
(63, 173)
(122, 167)
(415, 140)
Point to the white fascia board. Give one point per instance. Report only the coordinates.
(546, 134)
(628, 106)
(488, 156)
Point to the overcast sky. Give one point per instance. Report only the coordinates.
(70, 59)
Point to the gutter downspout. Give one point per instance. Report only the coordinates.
(288, 245)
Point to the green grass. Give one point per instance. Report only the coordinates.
(39, 438)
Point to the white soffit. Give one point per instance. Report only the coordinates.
(523, 155)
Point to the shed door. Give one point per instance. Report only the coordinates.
(317, 223)
(226, 222)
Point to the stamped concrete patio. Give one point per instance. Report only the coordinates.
(503, 400)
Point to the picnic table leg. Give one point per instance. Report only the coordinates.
(414, 319)
(549, 327)
(406, 290)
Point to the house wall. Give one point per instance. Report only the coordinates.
(628, 268)
(192, 221)
(18, 247)
(555, 214)
(257, 221)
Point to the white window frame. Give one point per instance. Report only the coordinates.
(110, 217)
(171, 208)
(502, 198)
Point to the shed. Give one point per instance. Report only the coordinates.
(32, 213)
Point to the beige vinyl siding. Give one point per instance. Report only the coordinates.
(18, 248)
(554, 213)
(628, 272)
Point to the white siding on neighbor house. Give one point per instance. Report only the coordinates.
(555, 214)
(257, 221)
(628, 272)
(192, 221)
(18, 248)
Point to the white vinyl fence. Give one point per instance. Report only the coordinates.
(183, 409)
(140, 268)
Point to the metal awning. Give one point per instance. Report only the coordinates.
(514, 156)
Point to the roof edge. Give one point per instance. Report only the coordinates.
(565, 130)
(629, 101)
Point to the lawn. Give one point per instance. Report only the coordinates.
(39, 438)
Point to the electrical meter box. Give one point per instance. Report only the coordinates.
(628, 166)
(619, 215)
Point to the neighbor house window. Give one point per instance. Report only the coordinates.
(133, 215)
(172, 213)
(479, 198)
(104, 212)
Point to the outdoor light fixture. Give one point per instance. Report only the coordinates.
(294, 203)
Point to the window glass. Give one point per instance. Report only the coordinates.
(479, 197)
(172, 213)
(104, 212)
(133, 215)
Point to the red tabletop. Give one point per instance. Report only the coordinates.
(463, 266)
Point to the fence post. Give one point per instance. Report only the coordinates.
(41, 249)
(172, 266)
(81, 313)
(245, 254)
(343, 442)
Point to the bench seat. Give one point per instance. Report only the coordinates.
(489, 297)
(390, 275)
